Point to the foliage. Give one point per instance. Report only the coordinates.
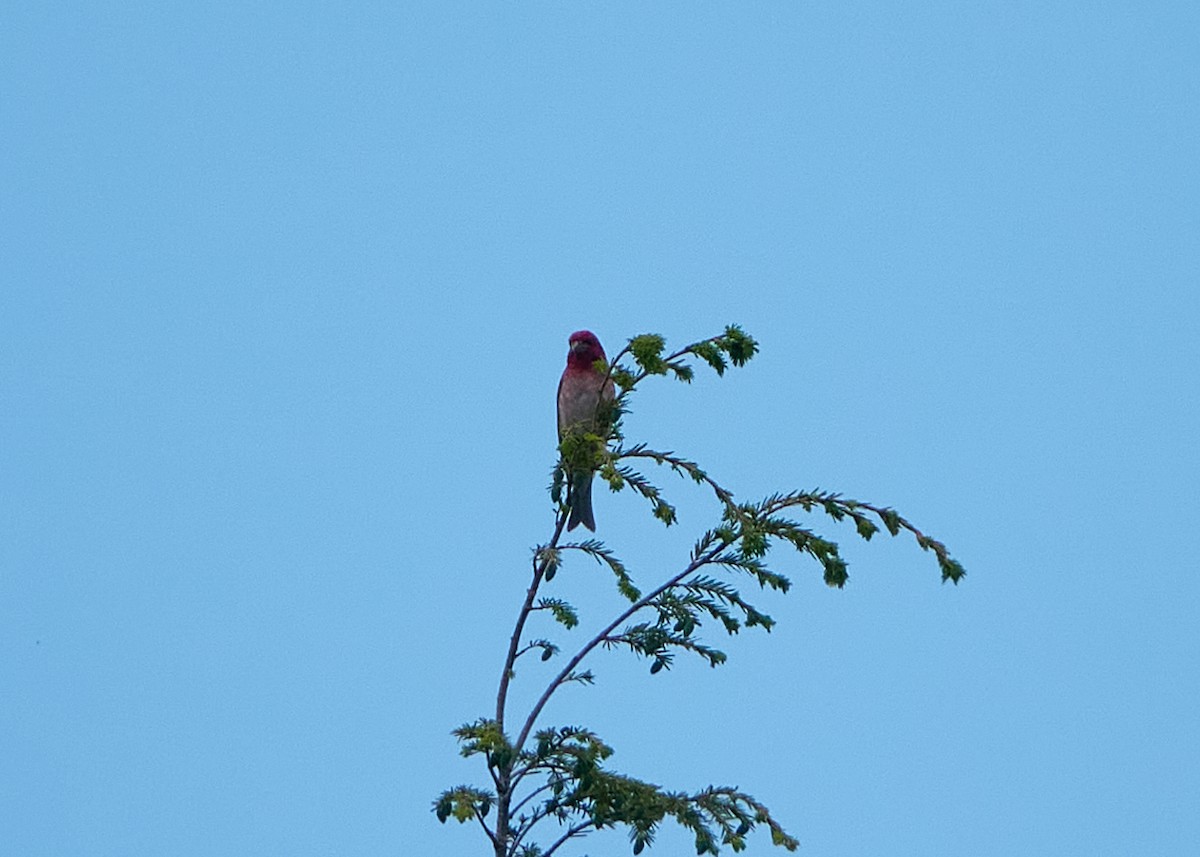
(555, 779)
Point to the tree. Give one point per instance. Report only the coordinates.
(558, 774)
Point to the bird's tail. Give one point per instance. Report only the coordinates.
(580, 500)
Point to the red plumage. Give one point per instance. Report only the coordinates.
(581, 390)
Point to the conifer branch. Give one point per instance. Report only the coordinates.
(578, 791)
(539, 790)
(679, 465)
(578, 830)
(544, 558)
(599, 638)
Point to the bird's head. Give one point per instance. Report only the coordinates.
(585, 349)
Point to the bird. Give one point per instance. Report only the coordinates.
(582, 390)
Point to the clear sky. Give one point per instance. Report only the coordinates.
(284, 296)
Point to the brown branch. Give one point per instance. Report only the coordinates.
(539, 571)
(641, 603)
(574, 831)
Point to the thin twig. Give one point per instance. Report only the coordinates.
(514, 642)
(531, 796)
(574, 831)
(486, 829)
(503, 777)
(599, 638)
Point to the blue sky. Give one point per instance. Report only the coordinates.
(286, 293)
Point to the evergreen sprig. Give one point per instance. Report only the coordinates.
(582, 796)
(597, 551)
(559, 774)
(656, 640)
(563, 613)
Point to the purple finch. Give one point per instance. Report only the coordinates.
(583, 389)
